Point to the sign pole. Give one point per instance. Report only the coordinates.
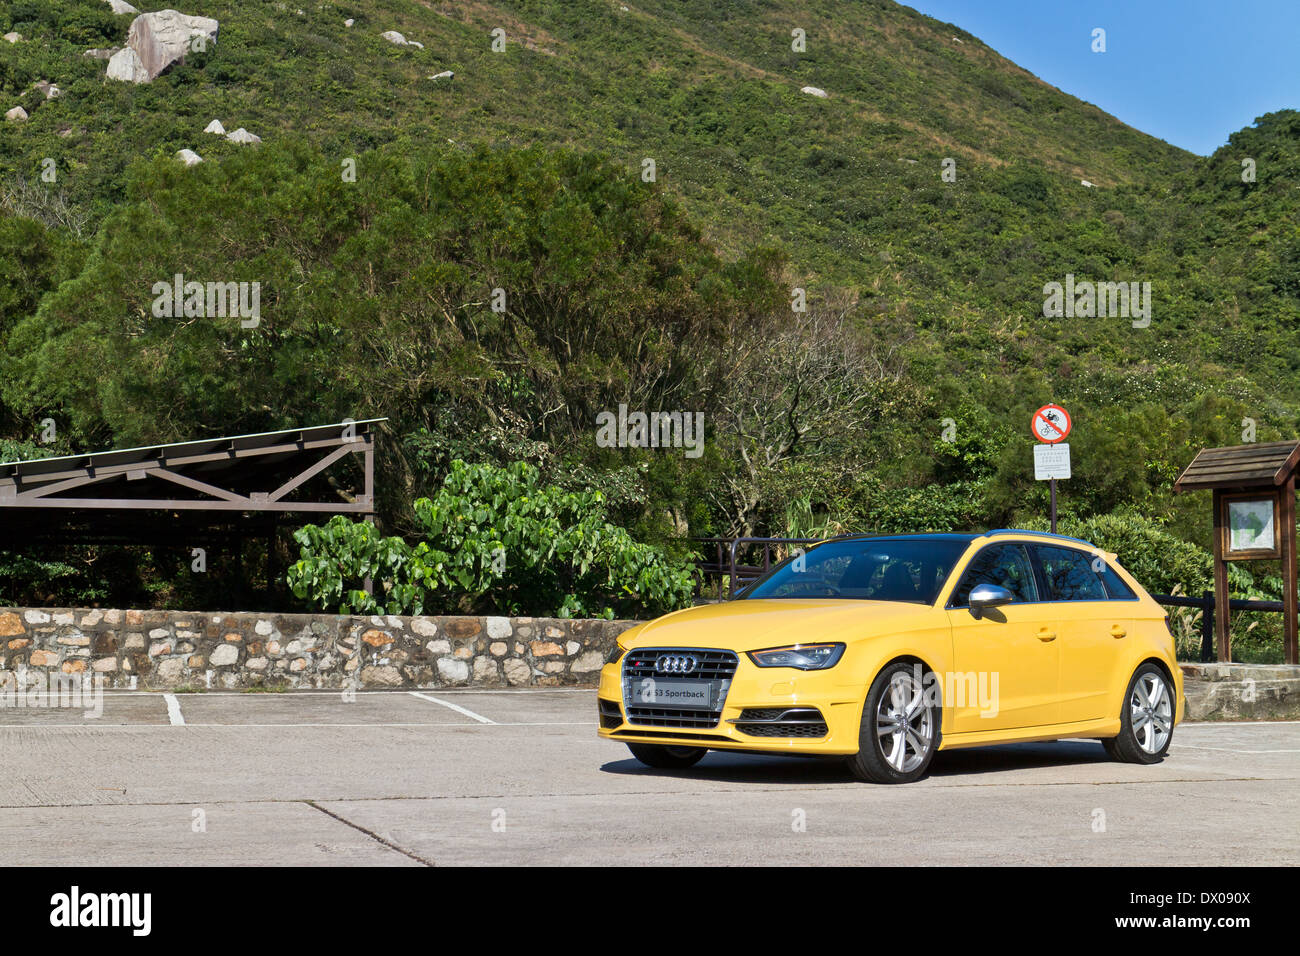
(1053, 485)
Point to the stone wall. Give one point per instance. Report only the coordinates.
(1242, 691)
(164, 649)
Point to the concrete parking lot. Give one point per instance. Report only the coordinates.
(519, 777)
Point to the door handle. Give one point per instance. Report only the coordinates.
(1045, 635)
(1117, 632)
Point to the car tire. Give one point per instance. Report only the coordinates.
(1146, 730)
(899, 734)
(663, 757)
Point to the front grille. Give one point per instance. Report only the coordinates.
(781, 722)
(712, 666)
(672, 717)
(610, 715)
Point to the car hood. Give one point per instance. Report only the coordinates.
(758, 623)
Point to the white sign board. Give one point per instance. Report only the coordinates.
(1051, 461)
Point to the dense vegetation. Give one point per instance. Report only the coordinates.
(898, 400)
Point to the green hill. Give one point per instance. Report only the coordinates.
(925, 293)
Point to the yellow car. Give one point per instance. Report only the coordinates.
(885, 650)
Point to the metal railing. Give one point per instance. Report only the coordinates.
(1206, 604)
(727, 560)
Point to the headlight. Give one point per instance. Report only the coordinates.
(615, 655)
(806, 657)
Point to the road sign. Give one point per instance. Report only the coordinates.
(1050, 424)
(1051, 462)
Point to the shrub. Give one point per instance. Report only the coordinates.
(494, 539)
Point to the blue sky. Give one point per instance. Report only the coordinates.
(1186, 71)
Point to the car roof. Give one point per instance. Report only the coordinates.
(963, 536)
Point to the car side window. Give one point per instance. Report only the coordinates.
(1116, 589)
(1069, 575)
(1007, 566)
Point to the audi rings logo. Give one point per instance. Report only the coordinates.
(675, 664)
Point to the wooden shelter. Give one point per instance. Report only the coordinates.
(220, 491)
(1254, 518)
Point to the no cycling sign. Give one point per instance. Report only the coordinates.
(1050, 424)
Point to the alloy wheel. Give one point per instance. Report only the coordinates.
(1151, 712)
(904, 724)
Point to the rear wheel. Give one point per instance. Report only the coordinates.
(667, 758)
(900, 728)
(1147, 719)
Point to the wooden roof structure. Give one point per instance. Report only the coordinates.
(1263, 465)
(159, 492)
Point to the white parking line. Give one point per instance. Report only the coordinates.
(1228, 750)
(456, 707)
(173, 710)
(1235, 724)
(95, 725)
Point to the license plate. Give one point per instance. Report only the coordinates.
(651, 691)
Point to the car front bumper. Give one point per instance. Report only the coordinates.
(765, 709)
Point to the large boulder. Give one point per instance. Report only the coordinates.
(121, 6)
(215, 127)
(242, 135)
(16, 115)
(126, 65)
(156, 41)
(188, 157)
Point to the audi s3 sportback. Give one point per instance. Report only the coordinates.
(885, 650)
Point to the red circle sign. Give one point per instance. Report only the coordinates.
(1050, 424)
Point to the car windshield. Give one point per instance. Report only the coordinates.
(911, 570)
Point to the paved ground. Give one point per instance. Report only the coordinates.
(519, 777)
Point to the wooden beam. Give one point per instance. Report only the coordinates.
(201, 486)
(1287, 518)
(1221, 608)
(314, 470)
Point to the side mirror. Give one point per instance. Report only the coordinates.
(983, 596)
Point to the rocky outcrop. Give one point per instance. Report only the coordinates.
(16, 115)
(121, 6)
(444, 75)
(156, 41)
(215, 127)
(188, 157)
(814, 91)
(14, 37)
(242, 135)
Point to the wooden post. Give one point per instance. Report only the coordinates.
(1221, 598)
(1286, 514)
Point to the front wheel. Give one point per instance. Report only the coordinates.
(1147, 720)
(900, 728)
(667, 758)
